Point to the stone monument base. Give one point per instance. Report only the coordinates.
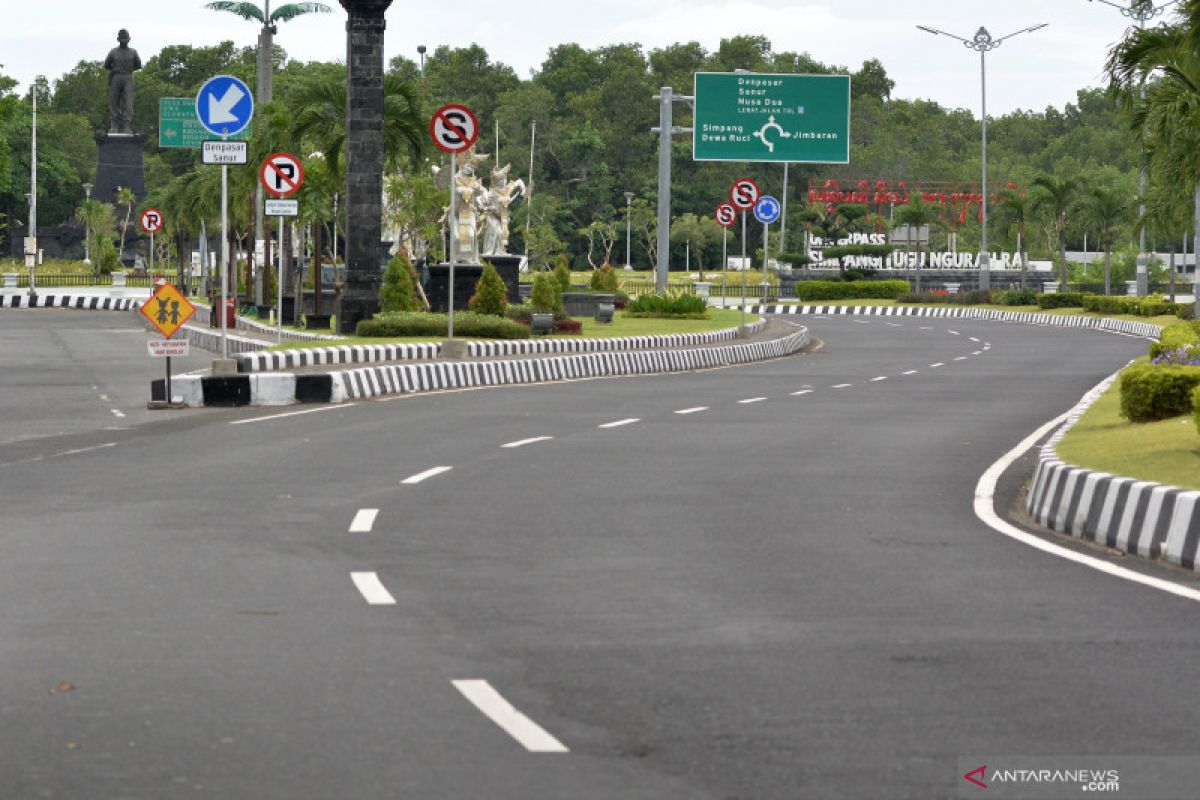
(465, 278)
(119, 164)
(350, 309)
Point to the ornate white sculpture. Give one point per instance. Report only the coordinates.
(496, 202)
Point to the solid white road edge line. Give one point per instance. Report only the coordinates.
(426, 475)
(520, 727)
(523, 442)
(364, 520)
(293, 414)
(985, 492)
(620, 423)
(372, 589)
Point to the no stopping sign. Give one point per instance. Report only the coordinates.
(454, 128)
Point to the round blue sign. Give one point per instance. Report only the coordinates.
(767, 210)
(224, 106)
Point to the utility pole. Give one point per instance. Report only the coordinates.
(665, 130)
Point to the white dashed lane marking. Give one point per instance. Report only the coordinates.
(696, 410)
(801, 392)
(843, 386)
(524, 442)
(118, 414)
(426, 475)
(492, 704)
(953, 333)
(911, 372)
(880, 378)
(935, 366)
(973, 339)
(372, 589)
(751, 400)
(962, 358)
(620, 423)
(977, 353)
(364, 520)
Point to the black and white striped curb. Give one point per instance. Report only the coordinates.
(1137, 517)
(1126, 327)
(204, 315)
(370, 354)
(83, 302)
(378, 381)
(368, 382)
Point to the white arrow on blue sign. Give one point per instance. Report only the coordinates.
(767, 210)
(224, 105)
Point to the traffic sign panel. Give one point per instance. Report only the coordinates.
(179, 127)
(767, 210)
(726, 215)
(744, 194)
(760, 117)
(281, 208)
(282, 174)
(167, 310)
(454, 128)
(152, 220)
(224, 105)
(220, 152)
(168, 348)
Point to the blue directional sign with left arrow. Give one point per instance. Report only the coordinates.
(224, 105)
(767, 210)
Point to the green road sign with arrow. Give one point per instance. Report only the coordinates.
(178, 125)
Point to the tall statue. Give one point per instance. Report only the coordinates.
(496, 201)
(469, 195)
(121, 63)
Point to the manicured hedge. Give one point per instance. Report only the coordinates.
(1174, 337)
(688, 305)
(1061, 300)
(855, 290)
(1151, 392)
(1136, 306)
(466, 324)
(1196, 407)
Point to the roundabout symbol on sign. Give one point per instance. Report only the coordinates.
(767, 210)
(744, 194)
(454, 128)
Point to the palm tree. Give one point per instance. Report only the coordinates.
(95, 217)
(1105, 208)
(1167, 215)
(917, 214)
(127, 198)
(1056, 195)
(269, 20)
(1017, 208)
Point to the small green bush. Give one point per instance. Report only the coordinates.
(491, 295)
(1018, 297)
(604, 279)
(562, 275)
(406, 323)
(689, 306)
(1136, 306)
(398, 285)
(1151, 392)
(546, 295)
(795, 259)
(1061, 300)
(856, 290)
(1174, 337)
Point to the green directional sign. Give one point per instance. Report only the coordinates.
(178, 125)
(749, 116)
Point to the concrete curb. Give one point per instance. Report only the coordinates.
(1137, 517)
(393, 379)
(81, 302)
(368, 354)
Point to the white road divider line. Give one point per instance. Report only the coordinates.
(962, 358)
(953, 333)
(118, 414)
(320, 410)
(372, 589)
(802, 392)
(843, 386)
(862, 322)
(973, 339)
(985, 509)
(880, 378)
(893, 324)
(426, 475)
(620, 423)
(926, 328)
(935, 366)
(492, 704)
(977, 353)
(523, 442)
(911, 372)
(751, 400)
(696, 410)
(364, 520)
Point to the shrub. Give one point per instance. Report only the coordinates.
(491, 295)
(562, 275)
(839, 290)
(568, 326)
(604, 279)
(1061, 300)
(1151, 392)
(678, 305)
(407, 323)
(1018, 297)
(1136, 306)
(1196, 407)
(620, 299)
(795, 259)
(1174, 337)
(398, 285)
(546, 296)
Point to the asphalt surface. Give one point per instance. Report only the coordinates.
(777, 595)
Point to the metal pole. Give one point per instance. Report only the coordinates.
(724, 261)
(224, 259)
(743, 269)
(628, 227)
(453, 217)
(152, 253)
(168, 381)
(783, 212)
(1196, 255)
(665, 109)
(87, 229)
(279, 288)
(529, 196)
(33, 198)
(985, 282)
(766, 242)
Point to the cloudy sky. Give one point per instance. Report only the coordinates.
(1034, 70)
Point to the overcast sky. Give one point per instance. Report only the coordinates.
(1033, 70)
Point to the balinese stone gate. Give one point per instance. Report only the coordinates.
(364, 161)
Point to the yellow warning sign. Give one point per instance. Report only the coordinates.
(167, 310)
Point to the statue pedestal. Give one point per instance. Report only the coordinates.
(119, 164)
(465, 278)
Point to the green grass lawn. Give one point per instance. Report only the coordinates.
(719, 319)
(1167, 451)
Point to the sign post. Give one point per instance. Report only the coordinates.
(766, 211)
(454, 129)
(167, 310)
(744, 196)
(281, 174)
(224, 107)
(152, 223)
(726, 217)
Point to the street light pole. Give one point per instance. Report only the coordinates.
(87, 227)
(31, 251)
(1141, 12)
(628, 224)
(982, 42)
